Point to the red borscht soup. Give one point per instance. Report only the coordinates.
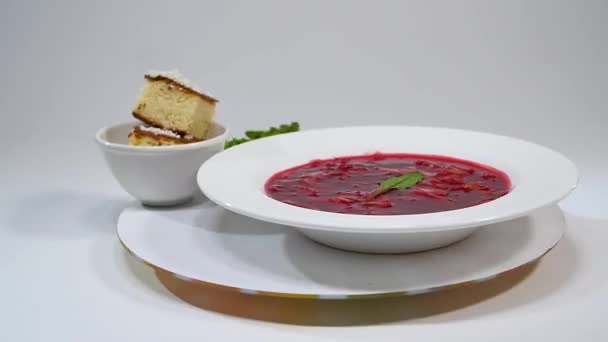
(388, 184)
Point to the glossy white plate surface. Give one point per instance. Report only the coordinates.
(235, 178)
(208, 244)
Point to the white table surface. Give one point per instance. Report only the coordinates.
(532, 69)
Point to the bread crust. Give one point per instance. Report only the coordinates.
(205, 97)
(137, 132)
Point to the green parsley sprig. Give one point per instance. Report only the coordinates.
(405, 181)
(253, 135)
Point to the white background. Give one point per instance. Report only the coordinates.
(531, 69)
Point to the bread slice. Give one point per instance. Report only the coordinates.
(168, 100)
(153, 136)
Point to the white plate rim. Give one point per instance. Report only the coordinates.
(330, 296)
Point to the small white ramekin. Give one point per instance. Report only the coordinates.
(157, 175)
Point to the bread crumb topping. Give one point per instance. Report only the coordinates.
(160, 131)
